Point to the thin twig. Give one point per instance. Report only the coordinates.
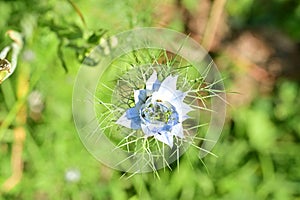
(213, 23)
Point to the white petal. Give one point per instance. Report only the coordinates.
(153, 83)
(177, 130)
(167, 90)
(179, 96)
(165, 137)
(182, 109)
(177, 100)
(163, 94)
(147, 130)
(186, 109)
(170, 82)
(124, 121)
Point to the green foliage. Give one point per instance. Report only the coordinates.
(283, 14)
(258, 154)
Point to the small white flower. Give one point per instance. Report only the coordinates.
(29, 55)
(107, 44)
(113, 41)
(36, 102)
(72, 175)
(159, 110)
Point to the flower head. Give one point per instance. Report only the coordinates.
(159, 110)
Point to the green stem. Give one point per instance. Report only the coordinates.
(8, 93)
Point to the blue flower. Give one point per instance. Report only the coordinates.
(159, 110)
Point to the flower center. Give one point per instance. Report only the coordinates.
(158, 113)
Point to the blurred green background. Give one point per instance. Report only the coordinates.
(255, 44)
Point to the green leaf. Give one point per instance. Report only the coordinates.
(96, 36)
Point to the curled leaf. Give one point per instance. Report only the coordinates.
(7, 67)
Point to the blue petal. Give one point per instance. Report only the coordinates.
(140, 96)
(130, 119)
(166, 128)
(135, 123)
(153, 83)
(132, 113)
(156, 86)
